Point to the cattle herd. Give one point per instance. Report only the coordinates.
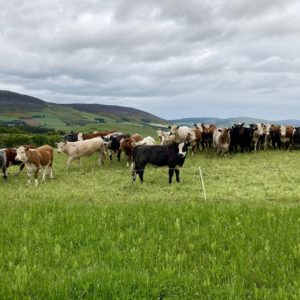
(171, 152)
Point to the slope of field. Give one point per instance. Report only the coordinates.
(36, 112)
(91, 233)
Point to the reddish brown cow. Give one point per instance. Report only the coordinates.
(198, 139)
(35, 159)
(11, 154)
(88, 136)
(127, 146)
(207, 134)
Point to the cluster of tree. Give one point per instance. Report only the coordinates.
(15, 140)
(24, 128)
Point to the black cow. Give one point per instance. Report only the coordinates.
(241, 136)
(171, 155)
(3, 163)
(296, 138)
(71, 137)
(112, 143)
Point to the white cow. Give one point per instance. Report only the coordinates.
(75, 150)
(258, 135)
(149, 140)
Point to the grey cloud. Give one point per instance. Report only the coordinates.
(205, 57)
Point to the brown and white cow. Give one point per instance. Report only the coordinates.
(258, 136)
(88, 136)
(128, 144)
(11, 154)
(221, 140)
(35, 160)
(286, 135)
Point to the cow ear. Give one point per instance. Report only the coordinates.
(169, 126)
(177, 127)
(243, 124)
(27, 148)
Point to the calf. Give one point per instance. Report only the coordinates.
(207, 134)
(36, 159)
(112, 143)
(184, 134)
(127, 146)
(221, 140)
(258, 136)
(275, 136)
(165, 137)
(286, 135)
(3, 163)
(171, 155)
(75, 150)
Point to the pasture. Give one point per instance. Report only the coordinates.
(91, 233)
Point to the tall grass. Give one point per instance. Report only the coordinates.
(91, 233)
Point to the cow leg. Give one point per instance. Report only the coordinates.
(110, 155)
(4, 173)
(44, 173)
(20, 169)
(141, 175)
(69, 161)
(177, 175)
(119, 155)
(36, 175)
(171, 173)
(50, 172)
(101, 158)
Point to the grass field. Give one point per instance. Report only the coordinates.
(91, 233)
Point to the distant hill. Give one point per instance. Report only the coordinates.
(230, 121)
(117, 112)
(17, 108)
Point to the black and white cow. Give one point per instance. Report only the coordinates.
(3, 163)
(171, 155)
(112, 143)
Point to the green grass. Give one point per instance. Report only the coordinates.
(91, 233)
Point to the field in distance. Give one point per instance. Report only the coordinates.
(91, 233)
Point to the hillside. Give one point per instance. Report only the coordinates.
(17, 109)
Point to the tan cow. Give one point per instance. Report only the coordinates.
(36, 159)
(75, 150)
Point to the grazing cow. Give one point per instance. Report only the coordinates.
(36, 159)
(75, 150)
(3, 163)
(296, 138)
(258, 136)
(171, 155)
(275, 136)
(71, 137)
(127, 146)
(149, 140)
(112, 143)
(286, 135)
(88, 136)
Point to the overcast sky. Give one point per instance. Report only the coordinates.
(172, 58)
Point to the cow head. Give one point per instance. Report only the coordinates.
(22, 153)
(80, 136)
(183, 149)
(283, 130)
(60, 146)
